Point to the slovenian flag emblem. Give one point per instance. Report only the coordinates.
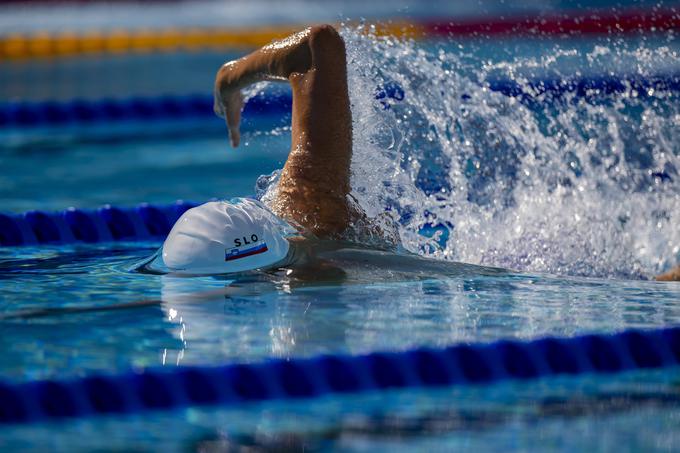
(237, 253)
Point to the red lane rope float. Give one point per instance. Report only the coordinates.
(46, 45)
(600, 22)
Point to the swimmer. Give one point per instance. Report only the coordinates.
(313, 195)
(312, 199)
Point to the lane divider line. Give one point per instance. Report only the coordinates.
(144, 222)
(157, 389)
(602, 22)
(83, 111)
(68, 44)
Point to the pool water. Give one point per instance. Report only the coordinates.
(208, 320)
(557, 204)
(101, 317)
(89, 173)
(634, 413)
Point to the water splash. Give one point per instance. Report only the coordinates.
(576, 185)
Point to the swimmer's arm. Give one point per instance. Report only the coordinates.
(275, 61)
(314, 185)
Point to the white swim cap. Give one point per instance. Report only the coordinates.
(222, 237)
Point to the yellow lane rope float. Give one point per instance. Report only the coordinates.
(46, 45)
(66, 44)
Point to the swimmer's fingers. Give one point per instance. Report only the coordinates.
(233, 107)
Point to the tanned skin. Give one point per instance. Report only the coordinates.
(314, 185)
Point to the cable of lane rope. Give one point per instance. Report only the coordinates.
(292, 379)
(82, 111)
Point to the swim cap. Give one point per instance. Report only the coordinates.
(222, 237)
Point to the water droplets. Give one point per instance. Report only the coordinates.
(539, 185)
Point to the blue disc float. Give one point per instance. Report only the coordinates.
(80, 111)
(586, 87)
(145, 222)
(109, 223)
(228, 385)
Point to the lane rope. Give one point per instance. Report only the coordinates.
(233, 384)
(593, 22)
(119, 42)
(145, 222)
(83, 111)
(116, 42)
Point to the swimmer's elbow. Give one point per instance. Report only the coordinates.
(325, 32)
(324, 40)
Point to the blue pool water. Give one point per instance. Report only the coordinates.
(578, 198)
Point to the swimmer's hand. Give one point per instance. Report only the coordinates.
(228, 105)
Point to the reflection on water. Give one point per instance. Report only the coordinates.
(443, 421)
(90, 312)
(576, 185)
(639, 410)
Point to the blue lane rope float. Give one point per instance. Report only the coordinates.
(109, 223)
(163, 388)
(80, 111)
(587, 87)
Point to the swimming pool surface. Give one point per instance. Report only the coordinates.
(575, 198)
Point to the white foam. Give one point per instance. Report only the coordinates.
(559, 190)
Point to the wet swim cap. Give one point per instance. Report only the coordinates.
(222, 237)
